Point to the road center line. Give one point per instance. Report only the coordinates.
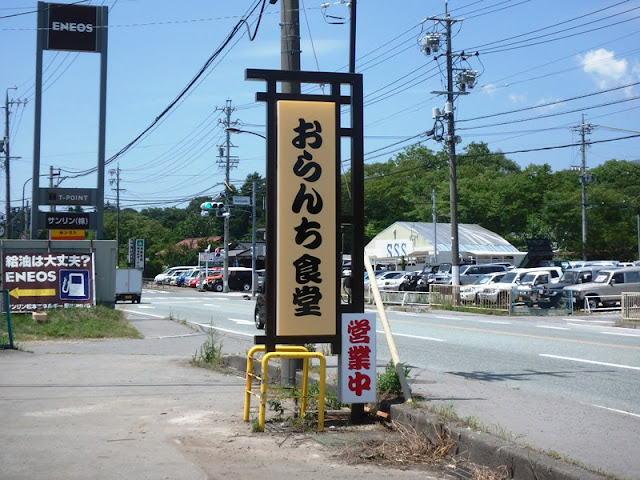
(592, 362)
(616, 410)
(417, 337)
(137, 312)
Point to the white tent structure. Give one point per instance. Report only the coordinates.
(422, 242)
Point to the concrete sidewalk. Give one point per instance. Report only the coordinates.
(137, 409)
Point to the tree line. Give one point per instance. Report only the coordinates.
(493, 191)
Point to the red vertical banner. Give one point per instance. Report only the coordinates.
(357, 372)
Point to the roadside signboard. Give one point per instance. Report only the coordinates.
(72, 27)
(68, 196)
(42, 281)
(139, 254)
(242, 201)
(306, 219)
(357, 369)
(67, 234)
(68, 220)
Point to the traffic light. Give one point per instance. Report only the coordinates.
(208, 207)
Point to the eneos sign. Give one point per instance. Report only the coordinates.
(72, 27)
(42, 281)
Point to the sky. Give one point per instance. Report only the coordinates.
(540, 66)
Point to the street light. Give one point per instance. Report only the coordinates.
(253, 216)
(237, 130)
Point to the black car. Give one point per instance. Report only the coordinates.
(260, 312)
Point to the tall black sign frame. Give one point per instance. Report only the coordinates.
(351, 212)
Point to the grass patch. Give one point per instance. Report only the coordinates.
(72, 323)
(209, 355)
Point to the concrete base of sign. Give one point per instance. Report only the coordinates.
(39, 317)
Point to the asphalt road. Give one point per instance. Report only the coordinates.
(569, 384)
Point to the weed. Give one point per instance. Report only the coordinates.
(209, 355)
(389, 382)
(485, 473)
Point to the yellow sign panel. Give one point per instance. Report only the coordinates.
(67, 234)
(306, 219)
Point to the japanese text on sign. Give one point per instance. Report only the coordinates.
(306, 229)
(358, 360)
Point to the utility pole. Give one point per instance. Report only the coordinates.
(584, 129)
(53, 173)
(7, 158)
(116, 181)
(465, 78)
(435, 226)
(226, 160)
(289, 60)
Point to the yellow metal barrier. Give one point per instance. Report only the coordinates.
(283, 352)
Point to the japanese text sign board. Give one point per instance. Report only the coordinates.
(139, 254)
(67, 234)
(68, 220)
(42, 281)
(357, 370)
(72, 27)
(306, 219)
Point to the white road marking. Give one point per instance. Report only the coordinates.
(586, 321)
(552, 327)
(446, 317)
(241, 321)
(621, 334)
(496, 322)
(417, 337)
(584, 326)
(582, 360)
(225, 330)
(142, 313)
(408, 314)
(616, 410)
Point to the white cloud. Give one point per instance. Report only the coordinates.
(517, 98)
(604, 68)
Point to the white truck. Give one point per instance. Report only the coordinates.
(128, 285)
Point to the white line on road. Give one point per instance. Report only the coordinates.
(408, 314)
(205, 325)
(417, 337)
(582, 360)
(141, 313)
(584, 326)
(495, 322)
(616, 410)
(586, 321)
(621, 334)
(241, 321)
(552, 327)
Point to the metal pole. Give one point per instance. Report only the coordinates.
(254, 277)
(102, 123)
(352, 38)
(638, 228)
(37, 117)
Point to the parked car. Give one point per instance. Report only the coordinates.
(163, 278)
(529, 283)
(377, 274)
(469, 273)
(410, 281)
(606, 288)
(390, 280)
(469, 293)
(499, 291)
(551, 295)
(240, 278)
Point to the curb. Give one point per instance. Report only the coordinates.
(477, 447)
(483, 449)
